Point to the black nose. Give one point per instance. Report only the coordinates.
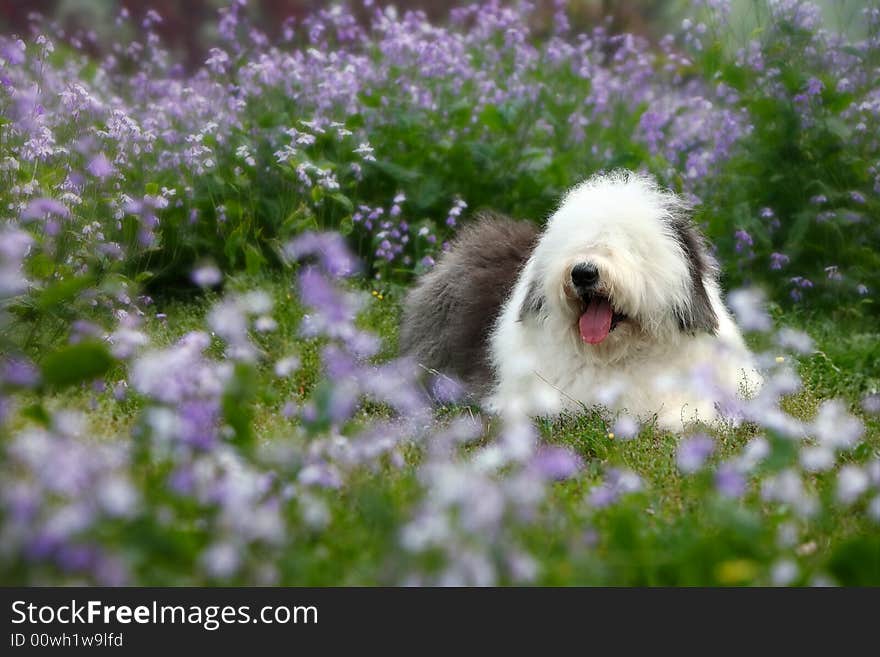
(584, 275)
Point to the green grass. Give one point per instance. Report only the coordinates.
(671, 533)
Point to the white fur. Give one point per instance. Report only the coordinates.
(649, 367)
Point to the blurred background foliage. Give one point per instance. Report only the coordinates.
(190, 27)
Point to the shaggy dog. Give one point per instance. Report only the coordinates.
(616, 304)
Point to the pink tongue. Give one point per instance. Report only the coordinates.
(596, 322)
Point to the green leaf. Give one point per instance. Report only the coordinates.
(144, 276)
(852, 50)
(233, 210)
(254, 261)
(38, 413)
(370, 100)
(76, 363)
(492, 118)
(395, 171)
(40, 266)
(856, 562)
(838, 128)
(460, 112)
(537, 159)
(794, 241)
(299, 221)
(237, 403)
(343, 200)
(354, 121)
(61, 292)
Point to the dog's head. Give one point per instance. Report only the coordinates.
(620, 263)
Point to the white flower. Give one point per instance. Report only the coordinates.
(256, 302)
(835, 427)
(748, 306)
(754, 452)
(265, 324)
(784, 572)
(221, 559)
(817, 459)
(287, 366)
(874, 509)
(787, 487)
(118, 497)
(852, 481)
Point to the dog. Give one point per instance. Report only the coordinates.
(615, 305)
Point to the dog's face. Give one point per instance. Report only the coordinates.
(619, 264)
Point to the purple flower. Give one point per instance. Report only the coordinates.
(446, 390)
(814, 87)
(743, 240)
(625, 427)
(199, 422)
(729, 481)
(13, 51)
(799, 283)
(617, 482)
(321, 475)
(20, 373)
(100, 166)
(778, 260)
(602, 496)
(871, 403)
(290, 410)
(329, 249)
(556, 463)
(693, 452)
(42, 207)
(333, 313)
(207, 275)
(342, 402)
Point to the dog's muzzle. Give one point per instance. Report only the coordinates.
(584, 277)
(598, 316)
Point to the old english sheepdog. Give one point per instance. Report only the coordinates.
(614, 304)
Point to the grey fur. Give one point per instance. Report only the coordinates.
(533, 304)
(699, 316)
(449, 314)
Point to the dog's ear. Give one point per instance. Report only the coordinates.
(698, 315)
(533, 304)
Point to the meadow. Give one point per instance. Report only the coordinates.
(201, 275)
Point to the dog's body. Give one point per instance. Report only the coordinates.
(451, 312)
(616, 304)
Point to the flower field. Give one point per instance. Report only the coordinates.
(201, 271)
